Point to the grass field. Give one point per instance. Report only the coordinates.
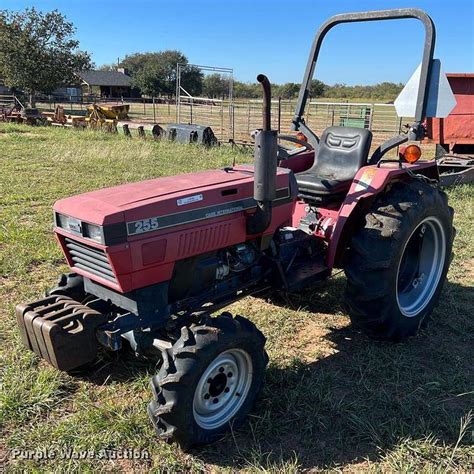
(333, 400)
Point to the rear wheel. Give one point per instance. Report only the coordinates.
(397, 262)
(209, 381)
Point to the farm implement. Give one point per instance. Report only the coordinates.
(153, 262)
(454, 135)
(12, 110)
(111, 117)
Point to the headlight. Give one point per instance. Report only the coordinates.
(92, 231)
(69, 223)
(62, 221)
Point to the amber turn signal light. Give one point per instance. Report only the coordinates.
(301, 136)
(411, 153)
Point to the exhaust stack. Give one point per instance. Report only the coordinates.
(265, 166)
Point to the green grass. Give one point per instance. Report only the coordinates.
(334, 400)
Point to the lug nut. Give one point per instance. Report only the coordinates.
(221, 369)
(216, 400)
(226, 390)
(207, 396)
(229, 375)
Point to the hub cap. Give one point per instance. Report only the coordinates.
(222, 389)
(421, 267)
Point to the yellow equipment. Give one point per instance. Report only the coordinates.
(106, 115)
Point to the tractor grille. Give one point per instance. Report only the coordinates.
(90, 259)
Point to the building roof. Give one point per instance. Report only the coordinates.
(105, 78)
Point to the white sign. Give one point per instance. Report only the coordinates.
(440, 101)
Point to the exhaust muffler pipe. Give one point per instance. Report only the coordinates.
(265, 166)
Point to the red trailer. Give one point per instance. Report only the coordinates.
(454, 135)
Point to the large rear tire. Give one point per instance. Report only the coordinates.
(209, 380)
(397, 263)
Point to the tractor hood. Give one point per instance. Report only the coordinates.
(111, 205)
(127, 237)
(163, 196)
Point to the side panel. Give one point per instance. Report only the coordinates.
(149, 257)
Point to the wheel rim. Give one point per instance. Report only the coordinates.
(421, 266)
(222, 389)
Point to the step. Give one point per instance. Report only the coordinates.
(306, 273)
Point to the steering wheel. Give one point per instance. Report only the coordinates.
(285, 153)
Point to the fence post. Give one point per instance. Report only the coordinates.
(144, 110)
(248, 118)
(222, 119)
(309, 111)
(154, 111)
(279, 114)
(371, 118)
(233, 120)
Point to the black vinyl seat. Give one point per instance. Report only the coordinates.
(341, 153)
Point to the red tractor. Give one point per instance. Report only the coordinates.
(152, 261)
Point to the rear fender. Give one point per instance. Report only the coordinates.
(367, 184)
(298, 163)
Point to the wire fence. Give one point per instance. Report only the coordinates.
(237, 119)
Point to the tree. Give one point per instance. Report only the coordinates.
(149, 80)
(155, 73)
(247, 90)
(317, 88)
(191, 80)
(386, 91)
(288, 91)
(135, 62)
(216, 86)
(38, 52)
(107, 67)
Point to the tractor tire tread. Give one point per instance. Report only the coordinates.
(172, 421)
(370, 262)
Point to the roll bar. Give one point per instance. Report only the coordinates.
(430, 37)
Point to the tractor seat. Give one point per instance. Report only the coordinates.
(341, 153)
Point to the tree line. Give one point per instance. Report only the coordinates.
(38, 54)
(154, 74)
(384, 91)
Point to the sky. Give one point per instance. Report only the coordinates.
(271, 37)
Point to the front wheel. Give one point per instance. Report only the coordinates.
(398, 261)
(209, 381)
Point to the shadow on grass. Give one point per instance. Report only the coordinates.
(355, 404)
(363, 399)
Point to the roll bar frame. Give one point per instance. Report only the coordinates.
(416, 130)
